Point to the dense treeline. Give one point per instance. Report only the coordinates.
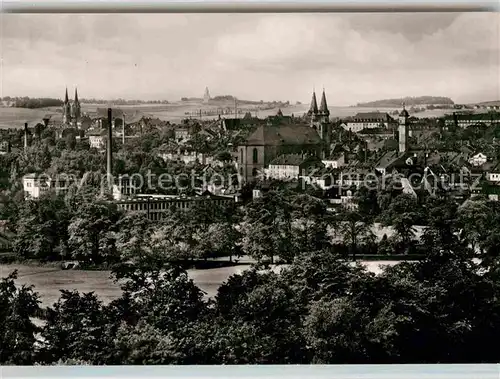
(33, 103)
(320, 309)
(27, 102)
(122, 101)
(409, 101)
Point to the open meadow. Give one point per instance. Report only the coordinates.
(48, 281)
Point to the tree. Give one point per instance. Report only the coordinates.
(76, 328)
(17, 331)
(309, 228)
(402, 216)
(321, 275)
(251, 325)
(474, 218)
(133, 233)
(354, 230)
(366, 199)
(161, 294)
(41, 228)
(219, 240)
(89, 237)
(70, 141)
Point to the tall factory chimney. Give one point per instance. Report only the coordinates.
(109, 162)
(25, 136)
(123, 131)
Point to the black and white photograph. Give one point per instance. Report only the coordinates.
(249, 188)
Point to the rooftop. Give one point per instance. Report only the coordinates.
(275, 135)
(334, 156)
(372, 116)
(387, 159)
(291, 160)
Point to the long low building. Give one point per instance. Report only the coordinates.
(155, 206)
(465, 120)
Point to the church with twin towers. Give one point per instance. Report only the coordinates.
(71, 110)
(319, 118)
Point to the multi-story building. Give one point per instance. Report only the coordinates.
(368, 120)
(125, 186)
(97, 138)
(466, 120)
(182, 134)
(5, 147)
(155, 206)
(37, 185)
(335, 160)
(187, 156)
(291, 166)
(358, 177)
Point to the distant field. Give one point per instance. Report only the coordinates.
(16, 117)
(175, 112)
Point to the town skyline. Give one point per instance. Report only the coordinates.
(355, 57)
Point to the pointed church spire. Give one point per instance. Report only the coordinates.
(66, 99)
(314, 104)
(76, 95)
(323, 108)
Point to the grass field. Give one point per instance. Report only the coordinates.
(49, 281)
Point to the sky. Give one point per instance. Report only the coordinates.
(355, 57)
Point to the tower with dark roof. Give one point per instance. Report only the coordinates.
(324, 113)
(320, 120)
(403, 130)
(76, 108)
(313, 110)
(66, 109)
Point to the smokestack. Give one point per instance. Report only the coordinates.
(109, 165)
(25, 136)
(123, 134)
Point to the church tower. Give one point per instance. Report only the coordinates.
(66, 109)
(320, 120)
(403, 130)
(313, 110)
(324, 113)
(76, 109)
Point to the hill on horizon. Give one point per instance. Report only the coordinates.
(409, 101)
(492, 102)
